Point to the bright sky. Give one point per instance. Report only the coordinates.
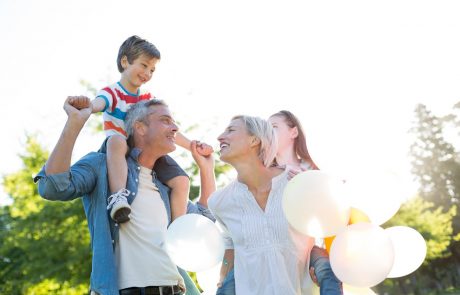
(352, 71)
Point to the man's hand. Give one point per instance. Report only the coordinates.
(60, 158)
(78, 107)
(79, 102)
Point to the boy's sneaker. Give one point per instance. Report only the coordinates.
(119, 207)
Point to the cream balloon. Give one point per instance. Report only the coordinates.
(410, 250)
(378, 195)
(194, 243)
(314, 204)
(362, 255)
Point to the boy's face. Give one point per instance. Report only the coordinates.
(137, 73)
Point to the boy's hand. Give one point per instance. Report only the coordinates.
(79, 102)
(204, 149)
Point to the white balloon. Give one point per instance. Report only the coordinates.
(410, 250)
(208, 279)
(378, 195)
(314, 204)
(194, 243)
(362, 255)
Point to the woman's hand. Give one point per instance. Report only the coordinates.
(202, 159)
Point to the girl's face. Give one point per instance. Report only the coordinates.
(286, 135)
(235, 141)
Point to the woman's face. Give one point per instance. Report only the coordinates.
(286, 135)
(235, 141)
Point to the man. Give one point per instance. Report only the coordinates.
(127, 258)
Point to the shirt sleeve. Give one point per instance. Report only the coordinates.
(109, 97)
(166, 168)
(214, 203)
(228, 242)
(197, 208)
(78, 181)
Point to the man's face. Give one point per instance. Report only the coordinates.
(161, 129)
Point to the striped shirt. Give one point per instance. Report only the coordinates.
(117, 102)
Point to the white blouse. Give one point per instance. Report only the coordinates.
(270, 256)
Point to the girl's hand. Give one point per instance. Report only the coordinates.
(294, 171)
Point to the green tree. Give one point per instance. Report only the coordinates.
(436, 167)
(436, 228)
(45, 245)
(434, 160)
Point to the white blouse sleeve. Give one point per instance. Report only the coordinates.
(228, 242)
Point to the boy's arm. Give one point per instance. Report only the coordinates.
(60, 158)
(183, 141)
(202, 148)
(81, 102)
(98, 104)
(180, 186)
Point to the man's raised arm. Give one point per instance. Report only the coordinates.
(60, 158)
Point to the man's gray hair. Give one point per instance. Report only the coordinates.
(264, 131)
(139, 113)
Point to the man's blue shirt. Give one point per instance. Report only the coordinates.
(88, 179)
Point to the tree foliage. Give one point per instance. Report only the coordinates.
(436, 167)
(45, 245)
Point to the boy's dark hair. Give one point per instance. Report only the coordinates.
(133, 47)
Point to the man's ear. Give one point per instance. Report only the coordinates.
(140, 128)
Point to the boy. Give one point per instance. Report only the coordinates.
(136, 61)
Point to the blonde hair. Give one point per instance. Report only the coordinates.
(264, 131)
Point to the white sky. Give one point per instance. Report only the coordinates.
(352, 71)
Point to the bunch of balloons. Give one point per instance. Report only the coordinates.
(362, 254)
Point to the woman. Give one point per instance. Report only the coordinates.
(292, 155)
(270, 257)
